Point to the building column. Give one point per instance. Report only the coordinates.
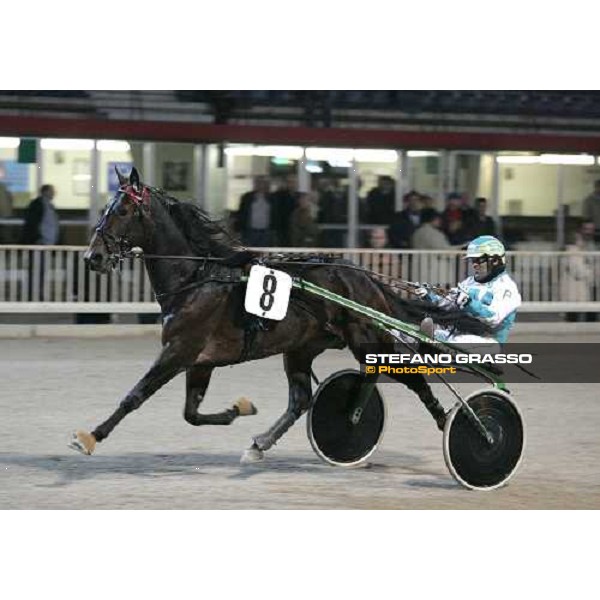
(401, 178)
(95, 207)
(495, 199)
(352, 237)
(560, 208)
(39, 175)
(303, 174)
(201, 174)
(149, 154)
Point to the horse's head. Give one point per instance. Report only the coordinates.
(123, 224)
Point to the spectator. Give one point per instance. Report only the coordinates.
(256, 217)
(6, 202)
(580, 281)
(378, 240)
(41, 227)
(381, 201)
(333, 205)
(41, 219)
(429, 202)
(303, 229)
(484, 224)
(429, 236)
(284, 202)
(333, 209)
(591, 208)
(406, 221)
(453, 220)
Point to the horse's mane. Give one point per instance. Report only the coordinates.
(205, 236)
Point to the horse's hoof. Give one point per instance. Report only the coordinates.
(83, 442)
(245, 407)
(252, 455)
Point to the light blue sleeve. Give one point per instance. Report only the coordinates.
(480, 307)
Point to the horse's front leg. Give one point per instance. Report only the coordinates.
(168, 364)
(197, 380)
(297, 368)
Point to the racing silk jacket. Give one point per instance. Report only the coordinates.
(494, 302)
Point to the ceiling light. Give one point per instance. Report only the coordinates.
(340, 164)
(239, 151)
(378, 156)
(421, 153)
(60, 144)
(566, 159)
(8, 142)
(113, 146)
(314, 168)
(330, 154)
(546, 159)
(519, 159)
(290, 152)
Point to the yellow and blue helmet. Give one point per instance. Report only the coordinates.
(488, 253)
(486, 246)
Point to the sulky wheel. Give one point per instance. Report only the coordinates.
(473, 461)
(331, 433)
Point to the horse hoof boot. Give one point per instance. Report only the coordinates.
(83, 442)
(245, 407)
(252, 455)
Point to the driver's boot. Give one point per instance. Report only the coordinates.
(427, 327)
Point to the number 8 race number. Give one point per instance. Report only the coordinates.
(269, 286)
(268, 293)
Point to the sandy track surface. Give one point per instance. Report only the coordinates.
(154, 459)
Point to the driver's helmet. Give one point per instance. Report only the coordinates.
(489, 253)
(486, 246)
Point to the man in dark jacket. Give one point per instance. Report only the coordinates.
(256, 217)
(406, 222)
(285, 201)
(41, 228)
(381, 201)
(41, 220)
(482, 223)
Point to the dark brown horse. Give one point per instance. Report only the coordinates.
(204, 322)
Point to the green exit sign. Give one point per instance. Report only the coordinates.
(27, 151)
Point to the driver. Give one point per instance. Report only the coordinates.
(490, 294)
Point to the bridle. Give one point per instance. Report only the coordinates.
(119, 247)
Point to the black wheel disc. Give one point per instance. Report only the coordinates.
(472, 460)
(332, 435)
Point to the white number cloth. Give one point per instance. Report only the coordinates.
(268, 293)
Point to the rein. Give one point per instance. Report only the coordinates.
(401, 284)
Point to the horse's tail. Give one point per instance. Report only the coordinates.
(414, 311)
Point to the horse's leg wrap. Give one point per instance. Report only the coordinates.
(266, 440)
(300, 395)
(197, 380)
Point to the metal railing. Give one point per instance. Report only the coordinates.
(54, 278)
